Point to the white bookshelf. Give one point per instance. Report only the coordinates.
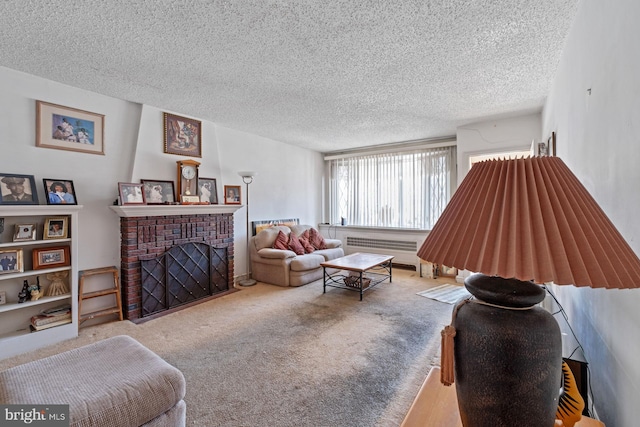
(16, 336)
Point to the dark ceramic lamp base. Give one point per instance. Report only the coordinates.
(508, 355)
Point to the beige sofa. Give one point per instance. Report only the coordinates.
(283, 267)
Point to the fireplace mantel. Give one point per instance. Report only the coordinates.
(134, 211)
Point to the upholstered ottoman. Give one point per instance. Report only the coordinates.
(114, 382)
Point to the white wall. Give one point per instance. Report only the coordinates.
(496, 136)
(95, 177)
(288, 184)
(598, 137)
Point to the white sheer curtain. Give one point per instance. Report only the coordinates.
(405, 189)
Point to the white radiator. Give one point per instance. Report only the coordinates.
(402, 244)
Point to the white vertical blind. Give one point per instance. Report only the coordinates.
(406, 189)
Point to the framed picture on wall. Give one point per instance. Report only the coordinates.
(59, 192)
(182, 136)
(208, 190)
(66, 128)
(18, 189)
(551, 142)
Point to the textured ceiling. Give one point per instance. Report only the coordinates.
(322, 74)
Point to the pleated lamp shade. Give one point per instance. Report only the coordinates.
(531, 219)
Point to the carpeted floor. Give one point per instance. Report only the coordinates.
(272, 356)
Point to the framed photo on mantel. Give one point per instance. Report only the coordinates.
(232, 195)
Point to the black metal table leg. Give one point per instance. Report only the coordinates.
(324, 280)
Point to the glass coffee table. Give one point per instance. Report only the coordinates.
(351, 271)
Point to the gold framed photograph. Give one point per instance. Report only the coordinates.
(232, 195)
(66, 128)
(11, 261)
(24, 232)
(182, 135)
(51, 257)
(56, 228)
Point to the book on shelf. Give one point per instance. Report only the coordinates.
(43, 319)
(54, 311)
(50, 325)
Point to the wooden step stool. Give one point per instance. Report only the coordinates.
(111, 291)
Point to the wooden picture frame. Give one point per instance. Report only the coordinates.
(56, 228)
(66, 128)
(182, 135)
(59, 256)
(158, 192)
(11, 261)
(232, 195)
(59, 192)
(208, 190)
(551, 142)
(24, 232)
(18, 189)
(131, 193)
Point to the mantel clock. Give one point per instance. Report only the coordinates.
(188, 180)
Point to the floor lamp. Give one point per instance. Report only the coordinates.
(247, 178)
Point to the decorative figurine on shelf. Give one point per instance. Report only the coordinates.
(35, 290)
(57, 285)
(24, 294)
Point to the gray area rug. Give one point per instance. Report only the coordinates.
(272, 356)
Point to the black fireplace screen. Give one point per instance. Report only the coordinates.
(183, 274)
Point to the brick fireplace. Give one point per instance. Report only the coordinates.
(148, 232)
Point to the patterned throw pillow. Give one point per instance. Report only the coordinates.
(304, 241)
(281, 241)
(316, 239)
(295, 245)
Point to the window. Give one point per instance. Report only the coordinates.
(398, 189)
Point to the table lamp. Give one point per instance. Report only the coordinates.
(518, 224)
